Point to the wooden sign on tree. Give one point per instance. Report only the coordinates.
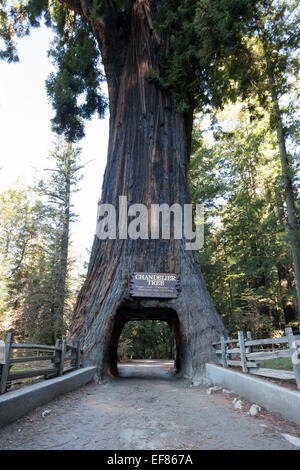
(163, 285)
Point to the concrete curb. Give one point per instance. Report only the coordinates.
(14, 405)
(274, 398)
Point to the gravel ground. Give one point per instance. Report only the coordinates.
(147, 408)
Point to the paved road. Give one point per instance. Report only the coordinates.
(146, 408)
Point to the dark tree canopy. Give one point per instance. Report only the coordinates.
(203, 37)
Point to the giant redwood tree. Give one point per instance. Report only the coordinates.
(162, 59)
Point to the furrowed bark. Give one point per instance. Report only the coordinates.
(148, 154)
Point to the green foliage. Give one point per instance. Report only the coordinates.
(34, 224)
(24, 261)
(149, 339)
(11, 26)
(204, 37)
(61, 180)
(16, 18)
(272, 41)
(216, 50)
(75, 89)
(246, 260)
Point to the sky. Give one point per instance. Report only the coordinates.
(26, 137)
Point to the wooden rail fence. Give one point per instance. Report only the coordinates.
(251, 351)
(62, 358)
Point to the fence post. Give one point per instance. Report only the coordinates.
(223, 349)
(56, 359)
(243, 351)
(77, 354)
(62, 358)
(249, 338)
(6, 366)
(294, 344)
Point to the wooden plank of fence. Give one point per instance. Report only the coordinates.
(16, 360)
(227, 341)
(40, 347)
(23, 374)
(62, 358)
(255, 342)
(234, 351)
(247, 354)
(243, 351)
(273, 373)
(265, 355)
(69, 369)
(6, 366)
(231, 362)
(57, 355)
(294, 344)
(223, 351)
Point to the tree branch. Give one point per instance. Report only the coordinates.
(74, 5)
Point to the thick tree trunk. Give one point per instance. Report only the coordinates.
(148, 153)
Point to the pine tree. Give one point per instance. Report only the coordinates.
(23, 229)
(34, 246)
(58, 189)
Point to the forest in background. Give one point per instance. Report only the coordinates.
(245, 170)
(39, 280)
(246, 259)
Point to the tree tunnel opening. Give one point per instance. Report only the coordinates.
(145, 339)
(145, 333)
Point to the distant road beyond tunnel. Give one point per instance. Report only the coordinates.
(147, 369)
